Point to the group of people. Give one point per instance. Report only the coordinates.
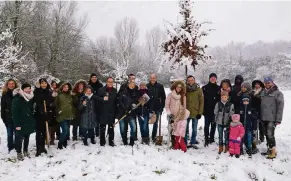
(91, 108)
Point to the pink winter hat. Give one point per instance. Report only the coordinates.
(235, 117)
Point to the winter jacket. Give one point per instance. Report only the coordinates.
(256, 97)
(96, 86)
(6, 105)
(174, 107)
(195, 100)
(248, 117)
(41, 96)
(143, 110)
(65, 106)
(108, 108)
(157, 97)
(272, 105)
(23, 113)
(88, 112)
(223, 113)
(235, 98)
(211, 97)
(126, 99)
(236, 130)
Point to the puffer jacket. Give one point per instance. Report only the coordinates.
(223, 113)
(174, 107)
(272, 105)
(236, 130)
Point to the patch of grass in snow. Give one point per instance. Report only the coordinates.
(160, 172)
(213, 177)
(280, 173)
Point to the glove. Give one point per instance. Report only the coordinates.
(198, 116)
(170, 118)
(238, 139)
(134, 106)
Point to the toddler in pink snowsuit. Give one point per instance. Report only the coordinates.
(236, 133)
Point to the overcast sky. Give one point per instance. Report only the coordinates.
(233, 21)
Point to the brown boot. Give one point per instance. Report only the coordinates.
(220, 149)
(226, 149)
(273, 154)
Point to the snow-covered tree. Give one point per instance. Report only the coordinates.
(184, 43)
(12, 60)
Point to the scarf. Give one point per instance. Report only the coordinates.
(257, 91)
(109, 89)
(192, 88)
(143, 91)
(25, 96)
(89, 96)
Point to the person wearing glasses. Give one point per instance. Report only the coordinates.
(107, 97)
(272, 106)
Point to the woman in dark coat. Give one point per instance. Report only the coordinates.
(6, 113)
(107, 97)
(78, 92)
(42, 94)
(87, 107)
(23, 119)
(127, 101)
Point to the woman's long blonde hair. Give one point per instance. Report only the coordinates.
(5, 88)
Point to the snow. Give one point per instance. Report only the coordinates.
(78, 162)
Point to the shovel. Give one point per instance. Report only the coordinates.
(159, 139)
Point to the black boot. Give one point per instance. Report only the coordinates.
(131, 143)
(125, 141)
(211, 140)
(269, 151)
(65, 144)
(206, 143)
(146, 140)
(38, 152)
(111, 143)
(60, 146)
(43, 150)
(75, 138)
(93, 140)
(85, 141)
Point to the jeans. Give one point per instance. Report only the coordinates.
(209, 121)
(88, 133)
(155, 126)
(10, 137)
(123, 123)
(194, 130)
(19, 140)
(144, 125)
(223, 131)
(269, 128)
(65, 129)
(248, 139)
(75, 131)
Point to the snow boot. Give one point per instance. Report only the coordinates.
(111, 143)
(249, 152)
(267, 152)
(20, 157)
(226, 149)
(206, 143)
(75, 138)
(177, 145)
(237, 156)
(93, 140)
(85, 141)
(38, 152)
(60, 146)
(211, 140)
(147, 141)
(52, 143)
(231, 155)
(220, 149)
(273, 154)
(26, 154)
(131, 143)
(43, 150)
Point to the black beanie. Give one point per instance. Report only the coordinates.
(25, 86)
(212, 75)
(92, 75)
(42, 80)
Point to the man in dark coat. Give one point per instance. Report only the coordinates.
(211, 93)
(6, 113)
(42, 94)
(235, 97)
(96, 85)
(156, 104)
(107, 97)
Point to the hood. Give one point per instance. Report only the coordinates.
(20, 92)
(275, 87)
(258, 81)
(238, 77)
(66, 83)
(81, 81)
(225, 81)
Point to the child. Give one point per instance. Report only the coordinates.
(236, 134)
(249, 120)
(223, 112)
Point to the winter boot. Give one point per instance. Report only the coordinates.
(85, 141)
(111, 143)
(267, 152)
(147, 140)
(237, 156)
(211, 140)
(20, 157)
(177, 144)
(206, 143)
(220, 149)
(75, 138)
(38, 152)
(93, 140)
(26, 154)
(182, 144)
(131, 143)
(60, 146)
(249, 152)
(231, 155)
(273, 154)
(124, 140)
(52, 143)
(226, 148)
(43, 150)
(173, 140)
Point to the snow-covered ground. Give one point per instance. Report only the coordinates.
(143, 163)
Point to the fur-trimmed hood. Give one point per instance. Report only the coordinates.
(81, 81)
(66, 83)
(20, 92)
(182, 83)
